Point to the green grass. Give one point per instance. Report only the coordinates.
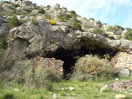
(83, 90)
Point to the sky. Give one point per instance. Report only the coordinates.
(113, 12)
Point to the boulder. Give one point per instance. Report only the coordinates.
(124, 72)
(120, 96)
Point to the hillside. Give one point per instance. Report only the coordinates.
(43, 45)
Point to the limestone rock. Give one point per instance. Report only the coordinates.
(120, 96)
(122, 60)
(3, 26)
(124, 72)
(46, 39)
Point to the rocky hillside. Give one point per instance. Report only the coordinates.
(34, 31)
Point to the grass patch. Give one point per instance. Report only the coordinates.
(83, 90)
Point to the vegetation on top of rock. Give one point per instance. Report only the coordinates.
(91, 19)
(34, 21)
(99, 23)
(64, 17)
(128, 35)
(98, 31)
(87, 25)
(13, 22)
(41, 10)
(73, 13)
(16, 5)
(76, 25)
(112, 29)
(3, 43)
(6, 60)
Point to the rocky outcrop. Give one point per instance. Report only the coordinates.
(20, 68)
(3, 26)
(117, 86)
(122, 60)
(45, 39)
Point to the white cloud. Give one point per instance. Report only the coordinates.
(99, 9)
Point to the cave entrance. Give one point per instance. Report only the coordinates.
(69, 57)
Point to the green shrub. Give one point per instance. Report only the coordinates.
(8, 96)
(112, 29)
(6, 60)
(87, 26)
(34, 21)
(73, 14)
(64, 18)
(47, 16)
(41, 77)
(89, 66)
(3, 43)
(37, 7)
(98, 31)
(76, 25)
(92, 19)
(13, 22)
(128, 35)
(16, 5)
(41, 10)
(99, 23)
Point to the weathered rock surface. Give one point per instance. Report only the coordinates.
(124, 72)
(122, 60)
(3, 26)
(118, 86)
(21, 67)
(45, 39)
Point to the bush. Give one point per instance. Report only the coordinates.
(76, 25)
(16, 5)
(41, 77)
(89, 66)
(99, 23)
(13, 22)
(128, 35)
(34, 21)
(6, 60)
(92, 19)
(3, 43)
(41, 10)
(98, 31)
(64, 18)
(73, 14)
(112, 29)
(8, 96)
(87, 25)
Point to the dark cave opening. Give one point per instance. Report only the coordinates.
(68, 56)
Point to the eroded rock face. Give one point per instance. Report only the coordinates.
(3, 26)
(45, 39)
(123, 60)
